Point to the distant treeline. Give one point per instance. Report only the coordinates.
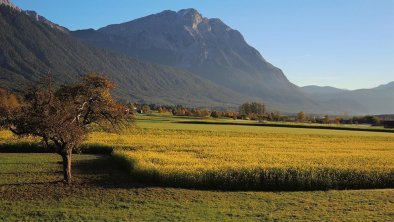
(255, 111)
(252, 111)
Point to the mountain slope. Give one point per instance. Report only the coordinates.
(321, 90)
(389, 85)
(207, 47)
(30, 48)
(378, 100)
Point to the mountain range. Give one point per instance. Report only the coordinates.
(29, 49)
(376, 100)
(166, 58)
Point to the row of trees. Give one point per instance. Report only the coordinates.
(302, 117)
(179, 110)
(252, 111)
(255, 111)
(368, 119)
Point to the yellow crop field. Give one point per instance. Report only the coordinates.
(257, 159)
(249, 157)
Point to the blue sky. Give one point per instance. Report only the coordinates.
(346, 44)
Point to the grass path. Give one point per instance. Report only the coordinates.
(30, 190)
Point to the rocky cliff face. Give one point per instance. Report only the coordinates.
(34, 15)
(42, 19)
(206, 47)
(9, 4)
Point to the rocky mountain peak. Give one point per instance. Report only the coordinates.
(191, 17)
(6, 2)
(9, 4)
(189, 12)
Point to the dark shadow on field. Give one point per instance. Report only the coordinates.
(33, 183)
(29, 173)
(23, 147)
(103, 171)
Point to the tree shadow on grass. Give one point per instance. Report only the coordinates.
(32, 183)
(103, 171)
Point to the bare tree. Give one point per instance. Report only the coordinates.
(61, 116)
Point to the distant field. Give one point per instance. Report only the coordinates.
(144, 120)
(367, 128)
(162, 151)
(31, 190)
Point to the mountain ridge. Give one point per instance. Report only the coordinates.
(332, 89)
(30, 48)
(375, 100)
(33, 14)
(9, 3)
(314, 89)
(207, 47)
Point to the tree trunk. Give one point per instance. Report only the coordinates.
(66, 155)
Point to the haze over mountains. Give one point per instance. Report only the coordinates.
(181, 58)
(376, 100)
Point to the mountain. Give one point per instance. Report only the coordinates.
(378, 100)
(388, 86)
(32, 14)
(181, 58)
(42, 19)
(8, 3)
(207, 47)
(321, 90)
(30, 48)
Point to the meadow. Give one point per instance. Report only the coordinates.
(151, 164)
(166, 151)
(31, 190)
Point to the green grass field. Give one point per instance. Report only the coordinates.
(161, 151)
(226, 121)
(30, 190)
